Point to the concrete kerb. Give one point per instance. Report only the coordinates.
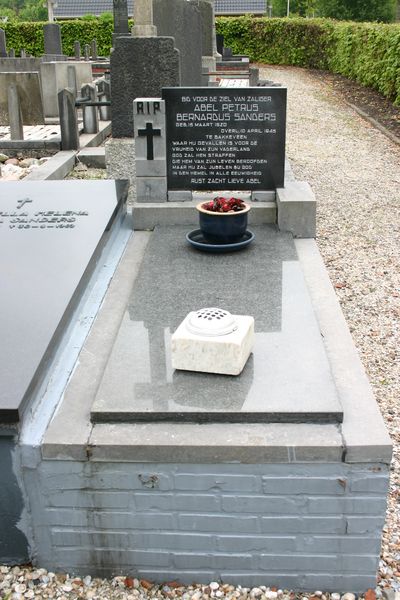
(59, 165)
(297, 209)
(93, 157)
(90, 140)
(148, 215)
(362, 420)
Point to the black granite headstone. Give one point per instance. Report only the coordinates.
(220, 43)
(3, 49)
(140, 68)
(120, 12)
(51, 234)
(225, 138)
(182, 21)
(52, 38)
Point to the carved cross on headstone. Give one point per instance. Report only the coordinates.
(20, 203)
(149, 133)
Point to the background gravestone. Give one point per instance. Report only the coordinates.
(182, 21)
(3, 49)
(120, 13)
(206, 12)
(54, 78)
(30, 97)
(52, 38)
(140, 67)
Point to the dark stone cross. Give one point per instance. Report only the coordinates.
(149, 132)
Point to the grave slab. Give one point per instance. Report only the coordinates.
(54, 232)
(287, 379)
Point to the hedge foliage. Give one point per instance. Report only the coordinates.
(365, 52)
(30, 35)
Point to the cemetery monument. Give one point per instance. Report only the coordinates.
(116, 461)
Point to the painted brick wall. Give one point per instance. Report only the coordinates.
(308, 526)
(13, 543)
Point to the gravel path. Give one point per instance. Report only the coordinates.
(354, 171)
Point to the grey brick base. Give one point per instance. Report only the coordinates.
(306, 526)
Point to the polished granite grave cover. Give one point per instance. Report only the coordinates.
(51, 233)
(287, 378)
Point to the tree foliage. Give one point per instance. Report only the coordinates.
(21, 10)
(358, 10)
(353, 10)
(302, 8)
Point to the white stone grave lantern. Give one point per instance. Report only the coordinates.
(212, 340)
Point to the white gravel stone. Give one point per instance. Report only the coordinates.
(214, 585)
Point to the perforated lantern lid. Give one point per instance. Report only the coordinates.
(211, 322)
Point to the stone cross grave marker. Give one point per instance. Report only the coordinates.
(51, 234)
(149, 129)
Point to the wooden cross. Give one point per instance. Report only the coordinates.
(149, 133)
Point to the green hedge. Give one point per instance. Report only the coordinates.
(30, 35)
(366, 52)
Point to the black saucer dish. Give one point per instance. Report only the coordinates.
(197, 240)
